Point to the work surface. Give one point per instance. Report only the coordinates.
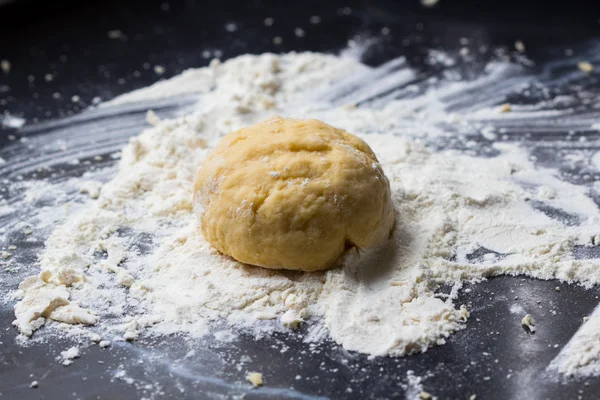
(494, 357)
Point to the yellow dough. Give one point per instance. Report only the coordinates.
(292, 194)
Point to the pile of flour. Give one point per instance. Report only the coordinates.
(133, 261)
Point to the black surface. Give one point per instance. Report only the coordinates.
(69, 40)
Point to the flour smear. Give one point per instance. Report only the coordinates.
(470, 204)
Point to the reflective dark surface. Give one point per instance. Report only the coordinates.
(494, 357)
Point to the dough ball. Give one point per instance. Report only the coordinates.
(292, 194)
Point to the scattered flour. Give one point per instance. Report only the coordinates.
(91, 188)
(66, 357)
(581, 355)
(413, 386)
(10, 121)
(121, 374)
(136, 251)
(517, 309)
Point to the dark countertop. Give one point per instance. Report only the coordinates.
(494, 357)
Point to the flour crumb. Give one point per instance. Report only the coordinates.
(425, 396)
(91, 188)
(67, 356)
(546, 192)
(585, 66)
(291, 319)
(529, 323)
(115, 34)
(429, 3)
(96, 338)
(464, 312)
(489, 133)
(34, 384)
(130, 336)
(152, 118)
(11, 121)
(255, 378)
(519, 46)
(104, 344)
(5, 66)
(506, 107)
(121, 375)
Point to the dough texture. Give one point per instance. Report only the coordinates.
(292, 194)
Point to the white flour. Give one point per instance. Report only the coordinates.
(133, 261)
(581, 356)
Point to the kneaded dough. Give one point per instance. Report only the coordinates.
(292, 194)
